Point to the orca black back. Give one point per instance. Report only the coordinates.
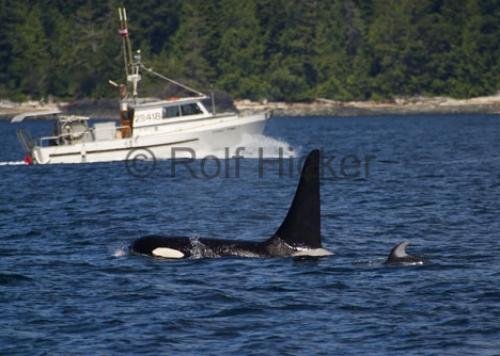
(298, 235)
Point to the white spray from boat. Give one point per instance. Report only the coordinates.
(13, 163)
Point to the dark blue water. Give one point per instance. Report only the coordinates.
(67, 284)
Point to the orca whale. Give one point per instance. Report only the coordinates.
(398, 256)
(298, 235)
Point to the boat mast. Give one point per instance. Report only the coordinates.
(132, 65)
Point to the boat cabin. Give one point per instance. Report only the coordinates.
(147, 117)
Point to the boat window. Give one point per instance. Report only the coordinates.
(171, 111)
(190, 109)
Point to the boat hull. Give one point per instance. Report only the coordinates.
(206, 137)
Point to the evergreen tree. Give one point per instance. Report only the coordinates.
(472, 62)
(338, 41)
(290, 35)
(490, 35)
(191, 44)
(395, 46)
(240, 51)
(29, 61)
(8, 22)
(96, 50)
(152, 23)
(60, 42)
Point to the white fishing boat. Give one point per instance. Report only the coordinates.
(161, 127)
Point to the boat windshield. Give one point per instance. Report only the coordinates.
(184, 110)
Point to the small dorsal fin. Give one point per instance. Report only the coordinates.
(399, 250)
(302, 225)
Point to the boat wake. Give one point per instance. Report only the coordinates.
(12, 163)
(269, 146)
(253, 146)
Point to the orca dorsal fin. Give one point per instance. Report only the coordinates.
(399, 251)
(302, 224)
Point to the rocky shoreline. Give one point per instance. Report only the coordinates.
(105, 108)
(320, 107)
(9, 108)
(403, 106)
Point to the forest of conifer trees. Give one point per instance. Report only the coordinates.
(292, 50)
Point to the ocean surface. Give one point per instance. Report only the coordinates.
(69, 286)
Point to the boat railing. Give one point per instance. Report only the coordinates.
(58, 140)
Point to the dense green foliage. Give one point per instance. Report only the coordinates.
(275, 49)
